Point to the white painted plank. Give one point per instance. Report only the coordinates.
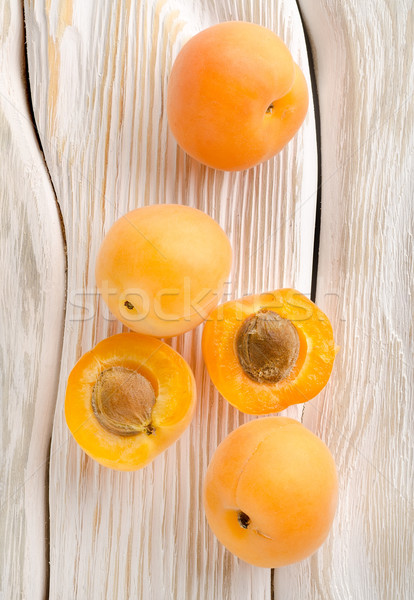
(365, 76)
(32, 293)
(98, 73)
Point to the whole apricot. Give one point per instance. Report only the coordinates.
(161, 269)
(128, 399)
(235, 96)
(270, 492)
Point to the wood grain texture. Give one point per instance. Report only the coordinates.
(364, 65)
(31, 323)
(98, 73)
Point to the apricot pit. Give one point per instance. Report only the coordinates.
(122, 401)
(267, 346)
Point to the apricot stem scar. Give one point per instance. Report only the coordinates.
(150, 429)
(128, 304)
(243, 519)
(122, 401)
(270, 108)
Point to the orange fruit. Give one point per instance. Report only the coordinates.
(128, 399)
(270, 492)
(268, 351)
(235, 96)
(161, 269)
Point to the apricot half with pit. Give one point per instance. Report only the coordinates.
(269, 351)
(128, 399)
(270, 492)
(235, 96)
(161, 269)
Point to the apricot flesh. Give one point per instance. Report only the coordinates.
(270, 492)
(128, 399)
(235, 96)
(161, 269)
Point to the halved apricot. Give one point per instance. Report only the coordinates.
(270, 492)
(268, 351)
(128, 399)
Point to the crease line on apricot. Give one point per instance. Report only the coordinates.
(243, 469)
(145, 237)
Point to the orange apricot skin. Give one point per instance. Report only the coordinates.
(308, 377)
(170, 262)
(221, 88)
(283, 477)
(174, 386)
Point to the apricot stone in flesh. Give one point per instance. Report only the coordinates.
(268, 351)
(270, 492)
(128, 399)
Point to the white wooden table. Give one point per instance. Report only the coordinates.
(83, 139)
